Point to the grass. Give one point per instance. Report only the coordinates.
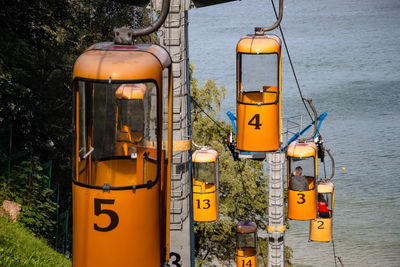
(19, 247)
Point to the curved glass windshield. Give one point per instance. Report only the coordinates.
(112, 113)
(204, 171)
(246, 240)
(307, 165)
(258, 71)
(117, 133)
(326, 198)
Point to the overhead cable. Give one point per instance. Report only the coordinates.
(290, 61)
(202, 110)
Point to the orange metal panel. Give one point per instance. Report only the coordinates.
(265, 137)
(205, 202)
(259, 44)
(134, 238)
(302, 205)
(245, 261)
(118, 65)
(321, 230)
(206, 155)
(302, 150)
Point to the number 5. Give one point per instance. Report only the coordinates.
(113, 215)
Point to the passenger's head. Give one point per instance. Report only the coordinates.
(298, 170)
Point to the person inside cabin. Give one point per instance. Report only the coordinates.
(322, 207)
(298, 182)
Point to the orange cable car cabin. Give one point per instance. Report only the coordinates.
(321, 227)
(205, 185)
(302, 176)
(121, 159)
(246, 244)
(258, 93)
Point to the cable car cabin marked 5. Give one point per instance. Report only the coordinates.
(302, 175)
(121, 157)
(258, 93)
(205, 185)
(246, 244)
(321, 227)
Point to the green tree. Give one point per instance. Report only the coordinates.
(243, 185)
(28, 187)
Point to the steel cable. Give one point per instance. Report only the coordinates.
(290, 61)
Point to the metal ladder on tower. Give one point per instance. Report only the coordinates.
(174, 38)
(276, 212)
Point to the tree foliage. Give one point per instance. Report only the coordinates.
(28, 187)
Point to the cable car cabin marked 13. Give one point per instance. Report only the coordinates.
(258, 93)
(246, 244)
(302, 176)
(321, 227)
(121, 159)
(205, 185)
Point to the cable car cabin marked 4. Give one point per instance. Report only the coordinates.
(246, 244)
(258, 93)
(302, 175)
(121, 181)
(321, 227)
(205, 185)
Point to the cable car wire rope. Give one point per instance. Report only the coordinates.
(202, 110)
(290, 61)
(334, 251)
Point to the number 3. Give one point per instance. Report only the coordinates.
(302, 198)
(113, 215)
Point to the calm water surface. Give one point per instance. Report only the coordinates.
(347, 58)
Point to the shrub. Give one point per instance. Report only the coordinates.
(27, 186)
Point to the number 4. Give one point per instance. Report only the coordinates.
(255, 121)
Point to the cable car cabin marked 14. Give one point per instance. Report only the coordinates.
(302, 176)
(321, 227)
(258, 93)
(121, 181)
(246, 244)
(205, 185)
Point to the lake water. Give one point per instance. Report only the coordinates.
(347, 57)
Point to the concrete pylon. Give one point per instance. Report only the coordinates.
(276, 212)
(173, 36)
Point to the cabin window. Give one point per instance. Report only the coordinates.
(246, 240)
(259, 72)
(326, 197)
(204, 171)
(307, 164)
(108, 116)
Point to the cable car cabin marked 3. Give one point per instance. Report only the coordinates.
(246, 244)
(302, 176)
(258, 93)
(321, 227)
(121, 159)
(205, 185)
